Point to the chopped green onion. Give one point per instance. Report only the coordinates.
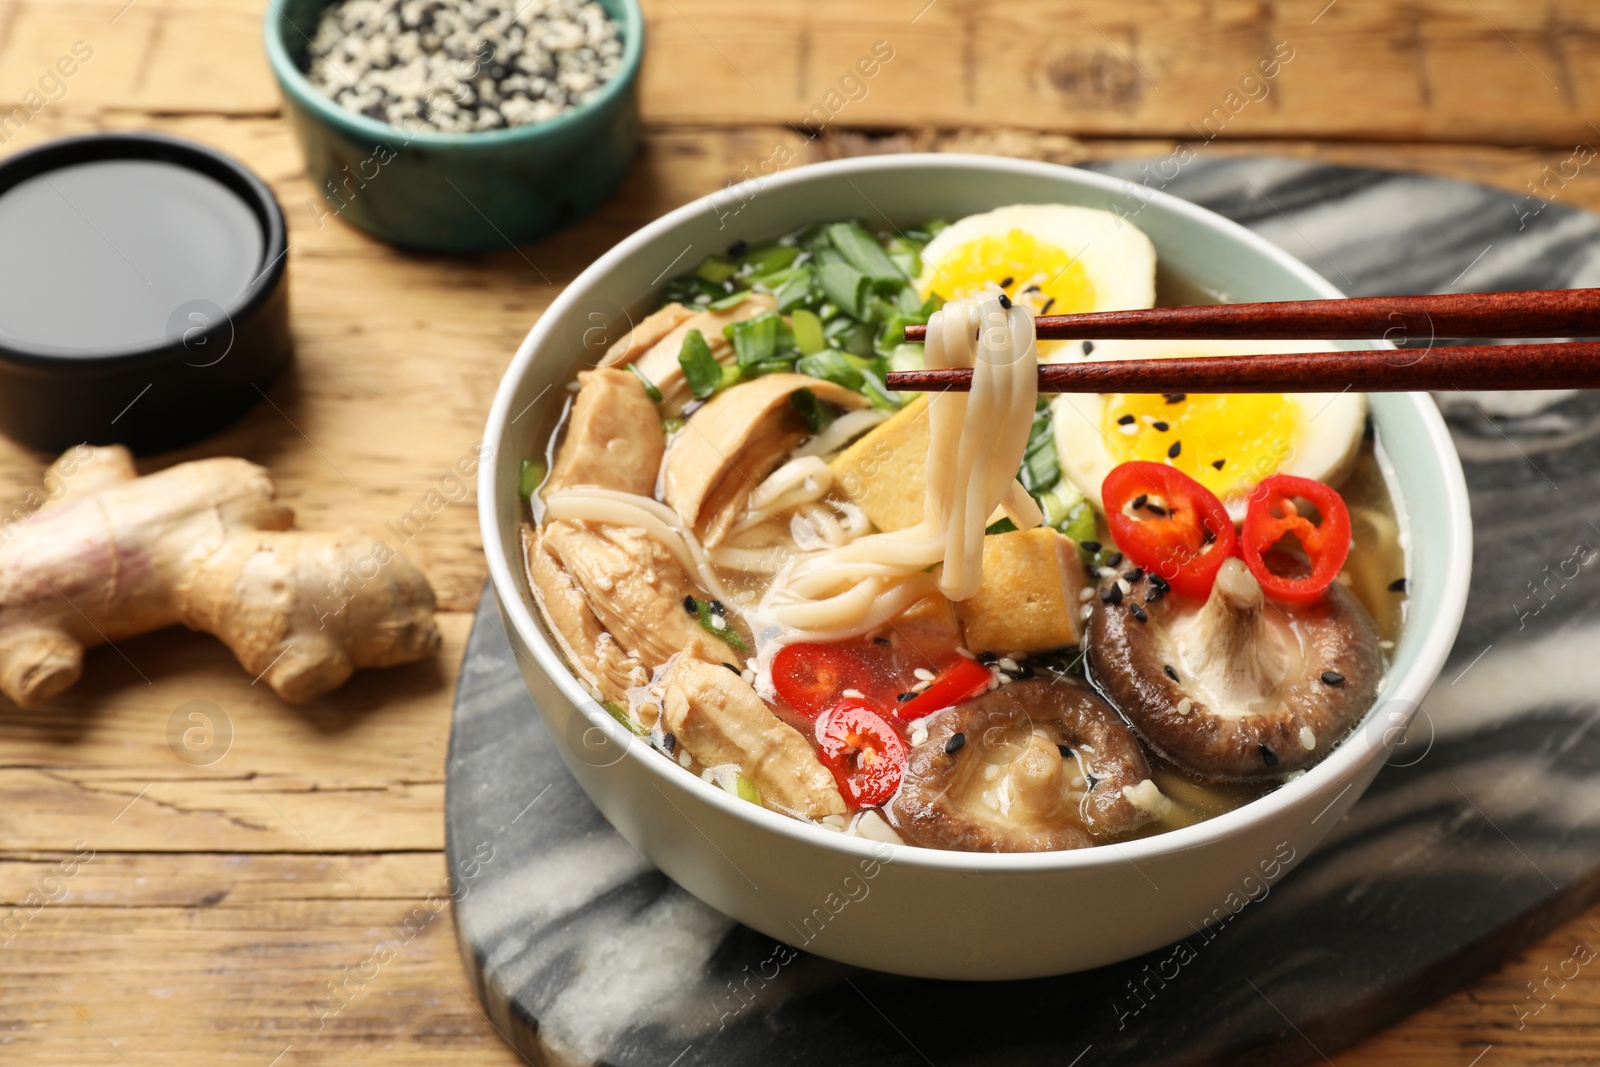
(730, 376)
(795, 290)
(893, 330)
(746, 790)
(863, 252)
(529, 478)
(728, 301)
(673, 425)
(878, 394)
(716, 270)
(1000, 526)
(649, 387)
(908, 357)
(905, 255)
(706, 613)
(847, 287)
(816, 414)
(807, 331)
(854, 337)
(620, 713)
(700, 368)
(1041, 470)
(768, 366)
(832, 365)
(758, 339)
(769, 258)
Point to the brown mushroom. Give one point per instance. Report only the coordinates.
(1236, 686)
(1033, 766)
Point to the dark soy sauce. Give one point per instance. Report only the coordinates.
(102, 257)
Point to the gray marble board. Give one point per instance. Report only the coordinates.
(1482, 833)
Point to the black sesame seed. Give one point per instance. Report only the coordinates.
(690, 606)
(1177, 447)
(1154, 595)
(738, 248)
(1140, 501)
(1160, 426)
(987, 658)
(1090, 781)
(1157, 510)
(1005, 283)
(1114, 560)
(1112, 594)
(1397, 586)
(734, 669)
(1065, 750)
(1216, 464)
(952, 746)
(1088, 346)
(1005, 301)
(1175, 398)
(1139, 613)
(716, 606)
(1089, 546)
(1134, 575)
(1332, 678)
(1269, 757)
(880, 640)
(1160, 583)
(1170, 672)
(904, 697)
(1031, 289)
(668, 743)
(1126, 420)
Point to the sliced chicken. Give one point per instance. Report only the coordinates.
(639, 340)
(658, 364)
(738, 438)
(614, 438)
(636, 589)
(593, 653)
(718, 718)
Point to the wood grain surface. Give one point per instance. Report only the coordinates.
(154, 911)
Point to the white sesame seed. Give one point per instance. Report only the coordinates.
(1308, 740)
(856, 693)
(922, 674)
(1009, 664)
(1184, 705)
(1086, 593)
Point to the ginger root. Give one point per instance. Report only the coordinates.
(110, 555)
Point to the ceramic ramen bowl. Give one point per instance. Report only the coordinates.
(918, 911)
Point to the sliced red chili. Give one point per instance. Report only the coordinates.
(1274, 515)
(960, 679)
(1169, 524)
(812, 677)
(862, 750)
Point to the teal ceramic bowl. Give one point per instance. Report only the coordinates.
(457, 192)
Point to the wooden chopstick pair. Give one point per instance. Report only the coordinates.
(1414, 322)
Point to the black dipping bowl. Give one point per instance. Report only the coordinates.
(137, 304)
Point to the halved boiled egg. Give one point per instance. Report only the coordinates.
(1054, 259)
(1228, 443)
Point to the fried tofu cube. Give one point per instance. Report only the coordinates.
(1029, 598)
(885, 472)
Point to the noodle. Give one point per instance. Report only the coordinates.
(975, 446)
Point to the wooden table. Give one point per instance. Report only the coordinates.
(222, 901)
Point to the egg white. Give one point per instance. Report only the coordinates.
(1116, 256)
(1331, 425)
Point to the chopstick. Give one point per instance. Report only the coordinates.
(1533, 313)
(1505, 368)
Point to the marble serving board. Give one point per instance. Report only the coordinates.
(1483, 832)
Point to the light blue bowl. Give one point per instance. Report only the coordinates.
(927, 912)
(458, 192)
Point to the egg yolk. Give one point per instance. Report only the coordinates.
(1227, 443)
(1033, 273)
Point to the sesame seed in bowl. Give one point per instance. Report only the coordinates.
(463, 66)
